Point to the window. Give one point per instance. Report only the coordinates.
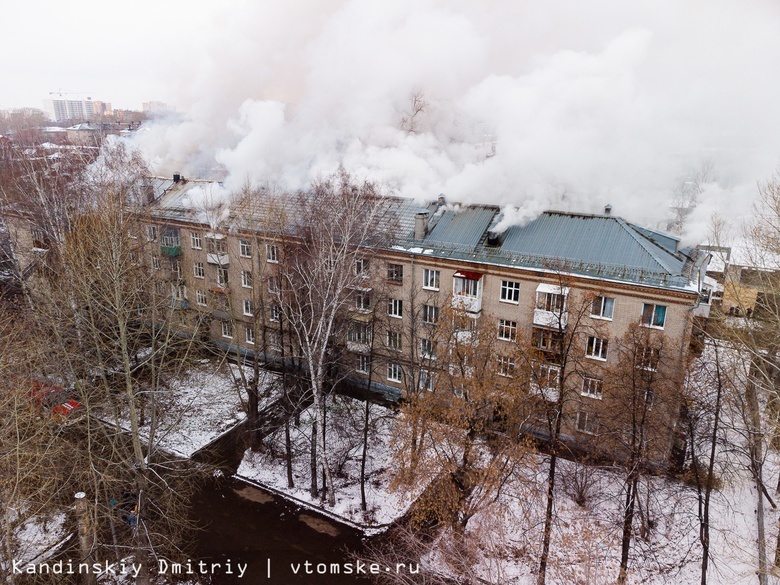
(272, 253)
(587, 422)
(427, 380)
(395, 308)
(426, 349)
(597, 348)
(550, 301)
(249, 333)
(176, 268)
(359, 333)
(216, 245)
(653, 315)
(592, 387)
(179, 292)
(155, 262)
(546, 339)
(227, 329)
(430, 314)
(394, 340)
(431, 279)
(249, 310)
(151, 232)
(273, 284)
(506, 366)
(394, 372)
(363, 364)
(276, 313)
(361, 266)
(648, 358)
(198, 271)
(195, 242)
(602, 307)
(222, 276)
(245, 248)
(510, 291)
(246, 279)
(466, 287)
(395, 273)
(507, 330)
(200, 297)
(548, 375)
(275, 340)
(362, 300)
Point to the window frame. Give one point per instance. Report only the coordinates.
(248, 308)
(245, 248)
(588, 421)
(247, 280)
(363, 364)
(227, 329)
(427, 349)
(249, 334)
(431, 279)
(603, 302)
(223, 278)
(272, 253)
(394, 372)
(506, 366)
(198, 270)
(430, 314)
(597, 348)
(394, 340)
(510, 286)
(201, 298)
(196, 243)
(653, 315)
(395, 273)
(507, 330)
(395, 308)
(592, 387)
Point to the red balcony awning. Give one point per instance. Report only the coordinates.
(468, 275)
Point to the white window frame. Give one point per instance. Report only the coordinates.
(196, 243)
(363, 364)
(394, 341)
(552, 302)
(465, 287)
(273, 285)
(201, 298)
(427, 380)
(155, 262)
(510, 292)
(272, 253)
(395, 308)
(592, 387)
(507, 330)
(227, 329)
(649, 358)
(430, 314)
(597, 348)
(216, 244)
(431, 279)
(359, 332)
(653, 315)
(198, 270)
(362, 300)
(249, 310)
(506, 366)
(275, 313)
(598, 308)
(178, 292)
(394, 372)
(249, 334)
(245, 248)
(246, 278)
(361, 267)
(427, 349)
(222, 276)
(151, 233)
(544, 371)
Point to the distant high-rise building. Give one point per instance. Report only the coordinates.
(156, 108)
(61, 108)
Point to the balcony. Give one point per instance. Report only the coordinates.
(220, 259)
(220, 289)
(550, 319)
(467, 303)
(358, 347)
(170, 251)
(179, 304)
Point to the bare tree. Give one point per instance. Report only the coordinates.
(334, 221)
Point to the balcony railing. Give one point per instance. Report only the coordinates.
(170, 251)
(218, 259)
(467, 303)
(550, 319)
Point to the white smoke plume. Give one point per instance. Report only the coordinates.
(570, 106)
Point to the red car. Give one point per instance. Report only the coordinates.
(54, 398)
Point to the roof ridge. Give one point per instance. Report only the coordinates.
(647, 244)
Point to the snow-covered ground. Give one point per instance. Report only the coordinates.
(39, 537)
(344, 444)
(199, 406)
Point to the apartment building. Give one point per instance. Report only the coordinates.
(594, 272)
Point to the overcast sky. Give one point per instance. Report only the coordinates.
(588, 102)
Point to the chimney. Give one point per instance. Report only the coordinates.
(607, 209)
(441, 200)
(420, 225)
(176, 177)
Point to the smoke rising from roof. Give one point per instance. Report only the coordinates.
(568, 107)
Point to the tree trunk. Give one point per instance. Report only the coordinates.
(548, 517)
(364, 454)
(628, 524)
(314, 438)
(288, 452)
